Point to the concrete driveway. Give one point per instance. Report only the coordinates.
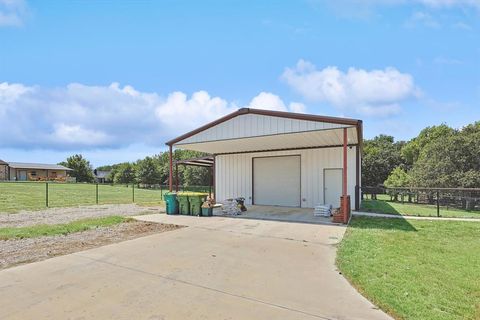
(216, 268)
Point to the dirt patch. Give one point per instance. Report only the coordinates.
(65, 215)
(21, 251)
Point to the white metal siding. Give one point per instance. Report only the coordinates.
(233, 173)
(253, 125)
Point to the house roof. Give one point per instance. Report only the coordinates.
(251, 130)
(2, 162)
(39, 166)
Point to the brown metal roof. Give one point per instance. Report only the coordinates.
(281, 114)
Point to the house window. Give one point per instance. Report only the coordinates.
(33, 173)
(53, 174)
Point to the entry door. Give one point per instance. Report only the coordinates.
(22, 175)
(333, 186)
(276, 181)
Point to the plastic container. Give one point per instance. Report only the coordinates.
(196, 200)
(183, 204)
(207, 212)
(171, 202)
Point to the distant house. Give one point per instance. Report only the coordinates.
(3, 170)
(20, 171)
(101, 176)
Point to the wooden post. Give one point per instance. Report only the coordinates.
(170, 175)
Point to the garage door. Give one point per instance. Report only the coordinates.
(276, 181)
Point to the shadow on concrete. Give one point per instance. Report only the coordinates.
(279, 214)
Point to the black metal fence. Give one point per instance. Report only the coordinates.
(441, 199)
(16, 196)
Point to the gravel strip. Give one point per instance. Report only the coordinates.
(21, 251)
(65, 215)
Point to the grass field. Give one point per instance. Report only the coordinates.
(32, 195)
(415, 269)
(384, 205)
(60, 229)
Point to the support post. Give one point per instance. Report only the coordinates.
(170, 175)
(176, 177)
(96, 193)
(345, 160)
(213, 178)
(345, 200)
(357, 178)
(211, 183)
(46, 194)
(438, 203)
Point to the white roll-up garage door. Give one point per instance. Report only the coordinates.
(276, 181)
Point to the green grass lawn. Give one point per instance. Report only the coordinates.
(59, 229)
(384, 205)
(31, 195)
(415, 269)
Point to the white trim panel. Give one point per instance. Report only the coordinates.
(254, 125)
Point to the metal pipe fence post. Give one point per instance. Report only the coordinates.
(46, 194)
(96, 193)
(133, 192)
(438, 203)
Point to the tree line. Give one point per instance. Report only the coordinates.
(151, 170)
(440, 156)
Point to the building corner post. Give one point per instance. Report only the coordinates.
(170, 174)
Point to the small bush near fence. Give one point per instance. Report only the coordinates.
(16, 196)
(446, 202)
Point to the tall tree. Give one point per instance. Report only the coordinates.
(380, 156)
(450, 160)
(411, 151)
(125, 173)
(148, 171)
(82, 169)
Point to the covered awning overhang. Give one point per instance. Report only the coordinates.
(269, 131)
(199, 162)
(255, 130)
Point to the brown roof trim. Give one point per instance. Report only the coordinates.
(281, 114)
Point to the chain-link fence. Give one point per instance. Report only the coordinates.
(447, 202)
(16, 196)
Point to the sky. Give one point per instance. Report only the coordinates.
(114, 80)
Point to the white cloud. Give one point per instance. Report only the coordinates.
(445, 60)
(12, 12)
(375, 92)
(178, 112)
(89, 117)
(449, 3)
(270, 101)
(422, 18)
(462, 26)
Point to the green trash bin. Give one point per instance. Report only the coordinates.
(196, 200)
(183, 204)
(207, 212)
(171, 202)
